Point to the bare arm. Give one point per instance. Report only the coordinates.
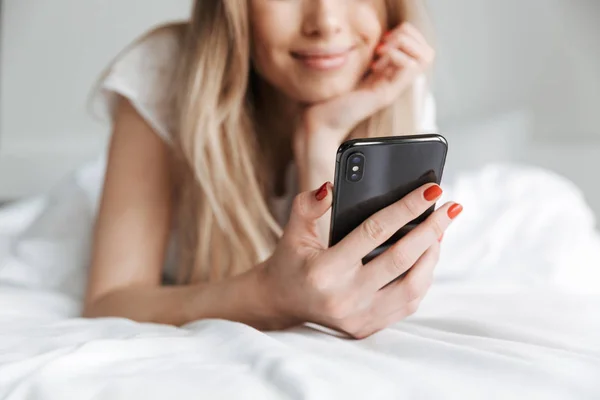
(301, 281)
(131, 238)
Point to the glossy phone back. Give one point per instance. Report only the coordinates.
(391, 167)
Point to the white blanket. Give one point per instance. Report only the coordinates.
(463, 343)
(515, 313)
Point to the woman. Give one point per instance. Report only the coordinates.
(217, 124)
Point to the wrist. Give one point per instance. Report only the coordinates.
(318, 172)
(264, 304)
(316, 166)
(244, 298)
(259, 293)
(312, 138)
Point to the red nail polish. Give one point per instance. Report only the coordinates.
(387, 34)
(454, 211)
(433, 193)
(322, 192)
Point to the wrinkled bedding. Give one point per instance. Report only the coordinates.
(514, 313)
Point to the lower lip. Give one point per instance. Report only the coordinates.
(323, 63)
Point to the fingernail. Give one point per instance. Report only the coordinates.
(454, 211)
(322, 192)
(441, 238)
(433, 193)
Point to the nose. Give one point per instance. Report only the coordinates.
(323, 18)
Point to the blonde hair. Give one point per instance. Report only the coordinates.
(224, 223)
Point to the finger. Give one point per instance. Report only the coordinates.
(404, 43)
(381, 63)
(421, 53)
(404, 69)
(390, 73)
(413, 286)
(383, 72)
(403, 61)
(378, 228)
(408, 39)
(404, 254)
(308, 207)
(403, 313)
(380, 323)
(413, 31)
(405, 29)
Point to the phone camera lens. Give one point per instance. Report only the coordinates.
(355, 167)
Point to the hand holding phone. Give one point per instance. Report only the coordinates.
(305, 281)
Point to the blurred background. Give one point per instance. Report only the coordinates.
(515, 81)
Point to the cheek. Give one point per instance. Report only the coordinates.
(271, 37)
(369, 22)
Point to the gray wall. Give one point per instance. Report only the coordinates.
(539, 55)
(521, 80)
(52, 53)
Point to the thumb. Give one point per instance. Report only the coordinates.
(308, 207)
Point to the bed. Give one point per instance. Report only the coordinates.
(514, 312)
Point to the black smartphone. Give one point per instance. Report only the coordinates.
(373, 173)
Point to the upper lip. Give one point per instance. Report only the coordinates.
(330, 52)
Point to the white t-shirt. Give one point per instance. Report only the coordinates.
(144, 75)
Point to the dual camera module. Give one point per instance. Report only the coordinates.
(355, 168)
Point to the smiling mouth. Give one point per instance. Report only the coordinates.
(322, 60)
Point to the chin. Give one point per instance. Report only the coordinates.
(318, 92)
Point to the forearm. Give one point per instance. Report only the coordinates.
(239, 299)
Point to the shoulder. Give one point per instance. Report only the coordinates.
(144, 74)
(156, 52)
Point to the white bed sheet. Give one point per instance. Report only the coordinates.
(514, 313)
(464, 343)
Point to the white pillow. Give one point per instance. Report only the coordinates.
(521, 226)
(53, 251)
